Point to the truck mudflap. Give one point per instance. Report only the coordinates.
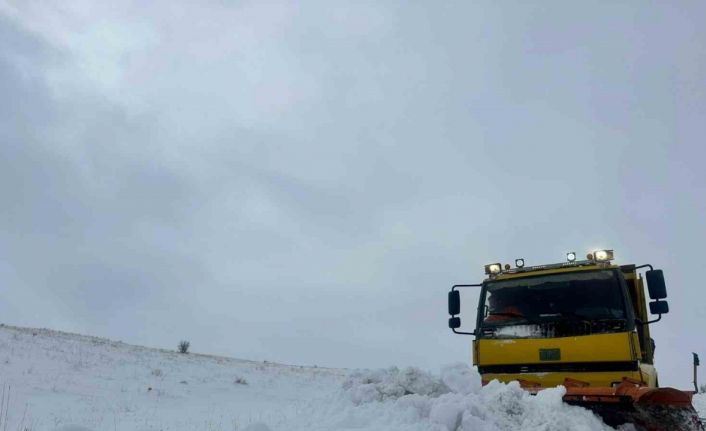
(631, 402)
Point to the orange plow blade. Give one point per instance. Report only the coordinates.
(648, 409)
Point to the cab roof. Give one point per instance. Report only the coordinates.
(553, 268)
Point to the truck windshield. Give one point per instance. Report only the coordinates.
(554, 305)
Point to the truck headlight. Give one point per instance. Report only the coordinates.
(493, 268)
(571, 256)
(519, 263)
(603, 255)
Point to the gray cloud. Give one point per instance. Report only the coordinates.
(303, 183)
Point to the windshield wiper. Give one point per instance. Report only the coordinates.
(564, 316)
(506, 313)
(573, 315)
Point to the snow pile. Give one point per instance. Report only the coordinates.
(411, 399)
(700, 404)
(380, 385)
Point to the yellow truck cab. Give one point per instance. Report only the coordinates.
(578, 321)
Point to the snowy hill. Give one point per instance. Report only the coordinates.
(60, 381)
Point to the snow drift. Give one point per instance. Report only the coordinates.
(411, 399)
(58, 381)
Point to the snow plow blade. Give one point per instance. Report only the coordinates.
(648, 409)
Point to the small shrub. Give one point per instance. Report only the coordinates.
(240, 381)
(702, 389)
(157, 372)
(183, 346)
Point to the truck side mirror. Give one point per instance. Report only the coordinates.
(655, 285)
(455, 322)
(454, 303)
(659, 307)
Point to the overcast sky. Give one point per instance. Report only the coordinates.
(302, 181)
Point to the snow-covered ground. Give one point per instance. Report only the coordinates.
(60, 381)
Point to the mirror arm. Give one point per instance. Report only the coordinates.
(463, 333)
(647, 265)
(465, 285)
(659, 317)
(640, 322)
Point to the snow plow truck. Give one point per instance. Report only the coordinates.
(581, 324)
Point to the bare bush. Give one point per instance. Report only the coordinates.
(183, 346)
(240, 381)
